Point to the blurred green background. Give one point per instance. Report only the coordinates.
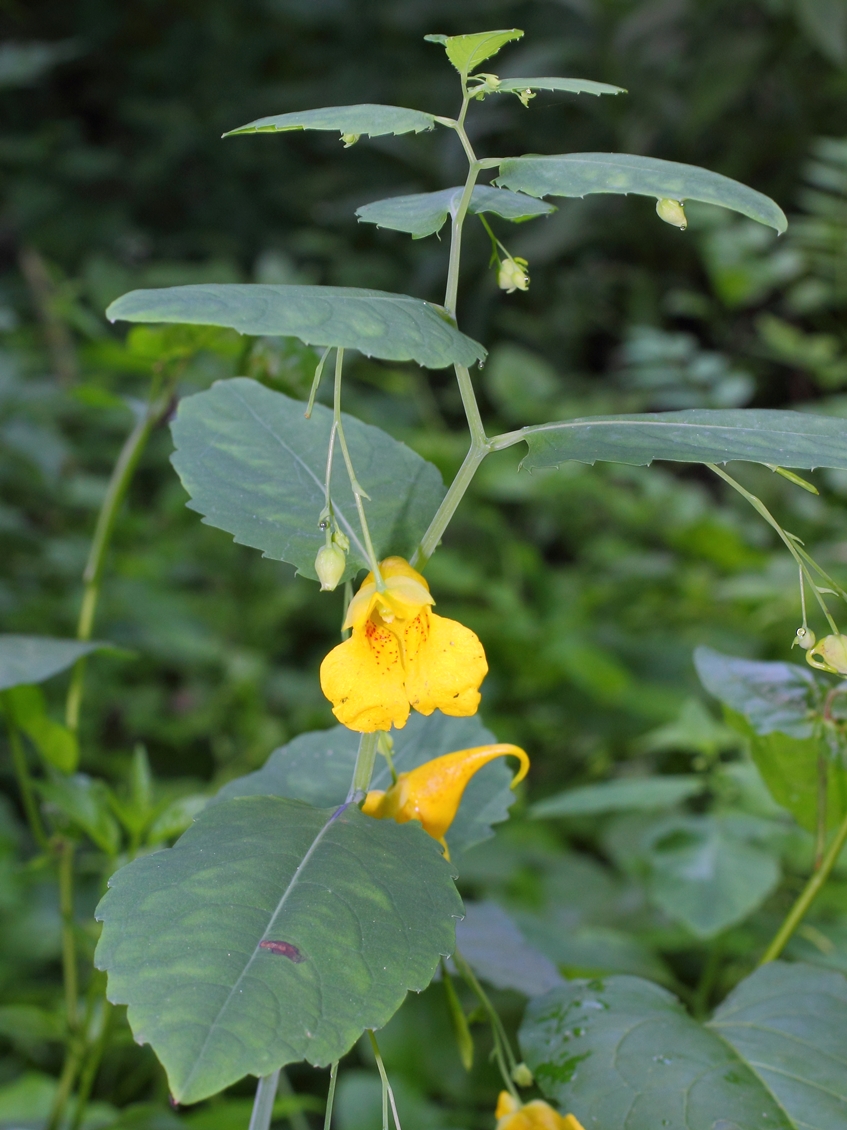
(589, 587)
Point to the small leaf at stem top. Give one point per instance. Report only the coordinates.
(466, 52)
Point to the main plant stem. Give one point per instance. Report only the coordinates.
(808, 896)
(118, 484)
(363, 771)
(480, 445)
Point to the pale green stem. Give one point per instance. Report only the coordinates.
(808, 896)
(358, 493)
(760, 508)
(89, 1071)
(363, 771)
(65, 851)
(502, 1049)
(25, 782)
(387, 1092)
(449, 504)
(330, 1096)
(121, 477)
(313, 392)
(263, 1104)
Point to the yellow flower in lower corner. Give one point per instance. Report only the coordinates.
(433, 792)
(400, 656)
(536, 1115)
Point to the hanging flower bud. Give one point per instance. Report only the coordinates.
(804, 638)
(341, 540)
(350, 139)
(524, 96)
(537, 1115)
(829, 655)
(329, 566)
(672, 212)
(512, 275)
(522, 1075)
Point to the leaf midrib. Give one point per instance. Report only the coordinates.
(295, 878)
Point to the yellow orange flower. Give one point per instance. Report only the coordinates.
(400, 656)
(433, 792)
(537, 1115)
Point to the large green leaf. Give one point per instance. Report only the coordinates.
(255, 467)
(774, 706)
(317, 768)
(393, 327)
(629, 794)
(466, 52)
(360, 911)
(32, 659)
(707, 872)
(578, 174)
(570, 85)
(425, 213)
(494, 946)
(623, 1054)
(696, 435)
(369, 119)
(772, 696)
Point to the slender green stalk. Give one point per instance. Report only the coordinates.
(330, 1096)
(119, 482)
(313, 392)
(358, 492)
(65, 852)
(760, 508)
(387, 1092)
(449, 504)
(92, 1063)
(820, 832)
(73, 1061)
(502, 1049)
(363, 771)
(25, 783)
(808, 896)
(263, 1104)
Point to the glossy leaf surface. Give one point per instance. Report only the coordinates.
(393, 327)
(467, 52)
(32, 659)
(358, 911)
(625, 795)
(368, 118)
(255, 467)
(568, 85)
(758, 435)
(578, 174)
(773, 706)
(771, 696)
(424, 213)
(317, 768)
(497, 951)
(623, 1054)
(708, 872)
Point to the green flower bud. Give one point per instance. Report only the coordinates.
(829, 655)
(350, 139)
(329, 566)
(341, 540)
(672, 212)
(512, 275)
(804, 638)
(522, 1075)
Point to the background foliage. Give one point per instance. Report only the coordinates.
(589, 587)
